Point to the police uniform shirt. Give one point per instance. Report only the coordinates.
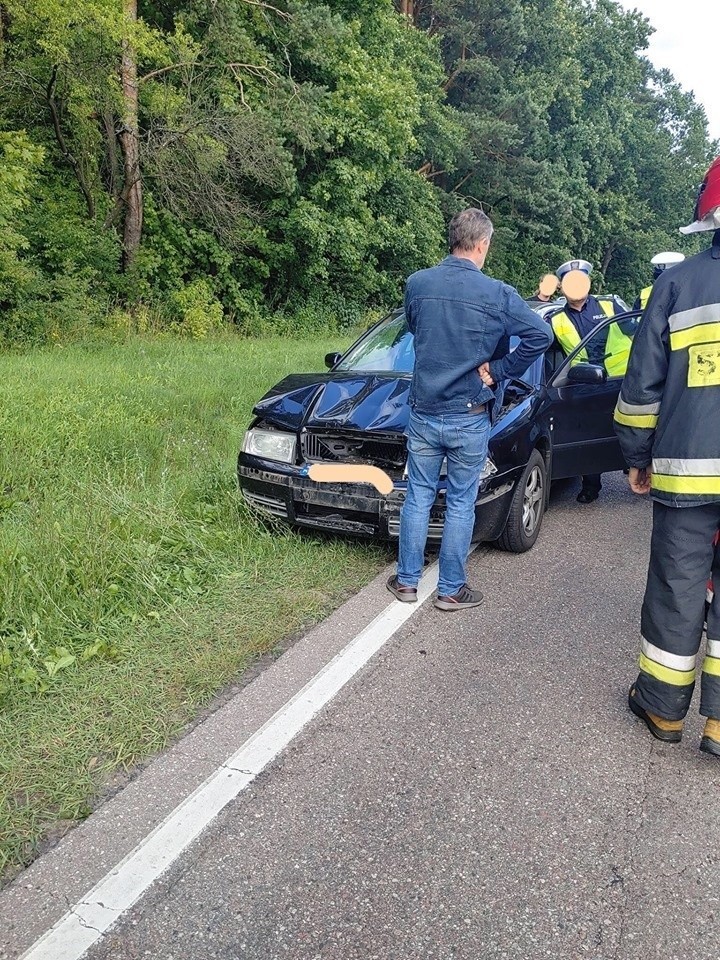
(586, 320)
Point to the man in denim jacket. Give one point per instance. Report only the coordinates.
(462, 321)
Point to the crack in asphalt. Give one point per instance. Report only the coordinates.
(99, 903)
(84, 923)
(707, 861)
(229, 766)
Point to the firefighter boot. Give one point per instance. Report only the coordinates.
(670, 731)
(710, 742)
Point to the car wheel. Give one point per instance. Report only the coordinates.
(527, 507)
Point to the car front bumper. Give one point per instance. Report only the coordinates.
(357, 509)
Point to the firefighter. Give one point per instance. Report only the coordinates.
(660, 262)
(580, 315)
(668, 421)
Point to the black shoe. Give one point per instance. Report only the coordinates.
(669, 731)
(587, 496)
(462, 600)
(401, 592)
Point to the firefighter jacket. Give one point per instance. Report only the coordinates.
(617, 347)
(668, 412)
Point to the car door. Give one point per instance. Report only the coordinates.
(581, 399)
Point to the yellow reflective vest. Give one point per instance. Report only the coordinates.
(617, 349)
(645, 296)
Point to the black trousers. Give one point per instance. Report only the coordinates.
(682, 560)
(592, 482)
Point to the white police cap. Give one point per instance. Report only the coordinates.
(574, 265)
(667, 259)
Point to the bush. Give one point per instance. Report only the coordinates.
(197, 312)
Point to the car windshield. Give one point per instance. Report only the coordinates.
(388, 348)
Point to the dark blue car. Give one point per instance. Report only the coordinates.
(554, 422)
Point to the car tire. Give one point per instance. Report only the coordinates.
(527, 507)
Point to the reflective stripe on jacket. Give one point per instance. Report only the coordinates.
(668, 412)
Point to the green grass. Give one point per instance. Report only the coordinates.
(134, 582)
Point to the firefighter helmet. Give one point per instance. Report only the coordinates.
(707, 207)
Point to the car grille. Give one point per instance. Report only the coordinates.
(267, 504)
(389, 455)
(435, 528)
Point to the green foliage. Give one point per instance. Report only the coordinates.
(195, 310)
(19, 160)
(572, 142)
(303, 158)
(363, 219)
(71, 270)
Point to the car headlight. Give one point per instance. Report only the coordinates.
(270, 445)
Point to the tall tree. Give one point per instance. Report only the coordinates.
(130, 140)
(303, 155)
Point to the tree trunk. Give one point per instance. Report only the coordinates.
(130, 144)
(69, 156)
(112, 154)
(607, 258)
(407, 8)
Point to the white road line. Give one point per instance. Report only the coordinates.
(87, 921)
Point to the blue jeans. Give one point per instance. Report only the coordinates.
(463, 439)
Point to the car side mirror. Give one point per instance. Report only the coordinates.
(331, 359)
(587, 373)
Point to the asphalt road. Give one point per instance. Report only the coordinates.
(478, 791)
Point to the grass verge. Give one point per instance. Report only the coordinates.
(134, 582)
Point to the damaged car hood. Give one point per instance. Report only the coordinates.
(374, 402)
(338, 401)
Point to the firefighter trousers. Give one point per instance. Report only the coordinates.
(682, 561)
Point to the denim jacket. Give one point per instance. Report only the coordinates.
(460, 319)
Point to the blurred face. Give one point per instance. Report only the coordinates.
(576, 288)
(548, 286)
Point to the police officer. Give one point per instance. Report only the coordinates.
(660, 262)
(668, 422)
(580, 315)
